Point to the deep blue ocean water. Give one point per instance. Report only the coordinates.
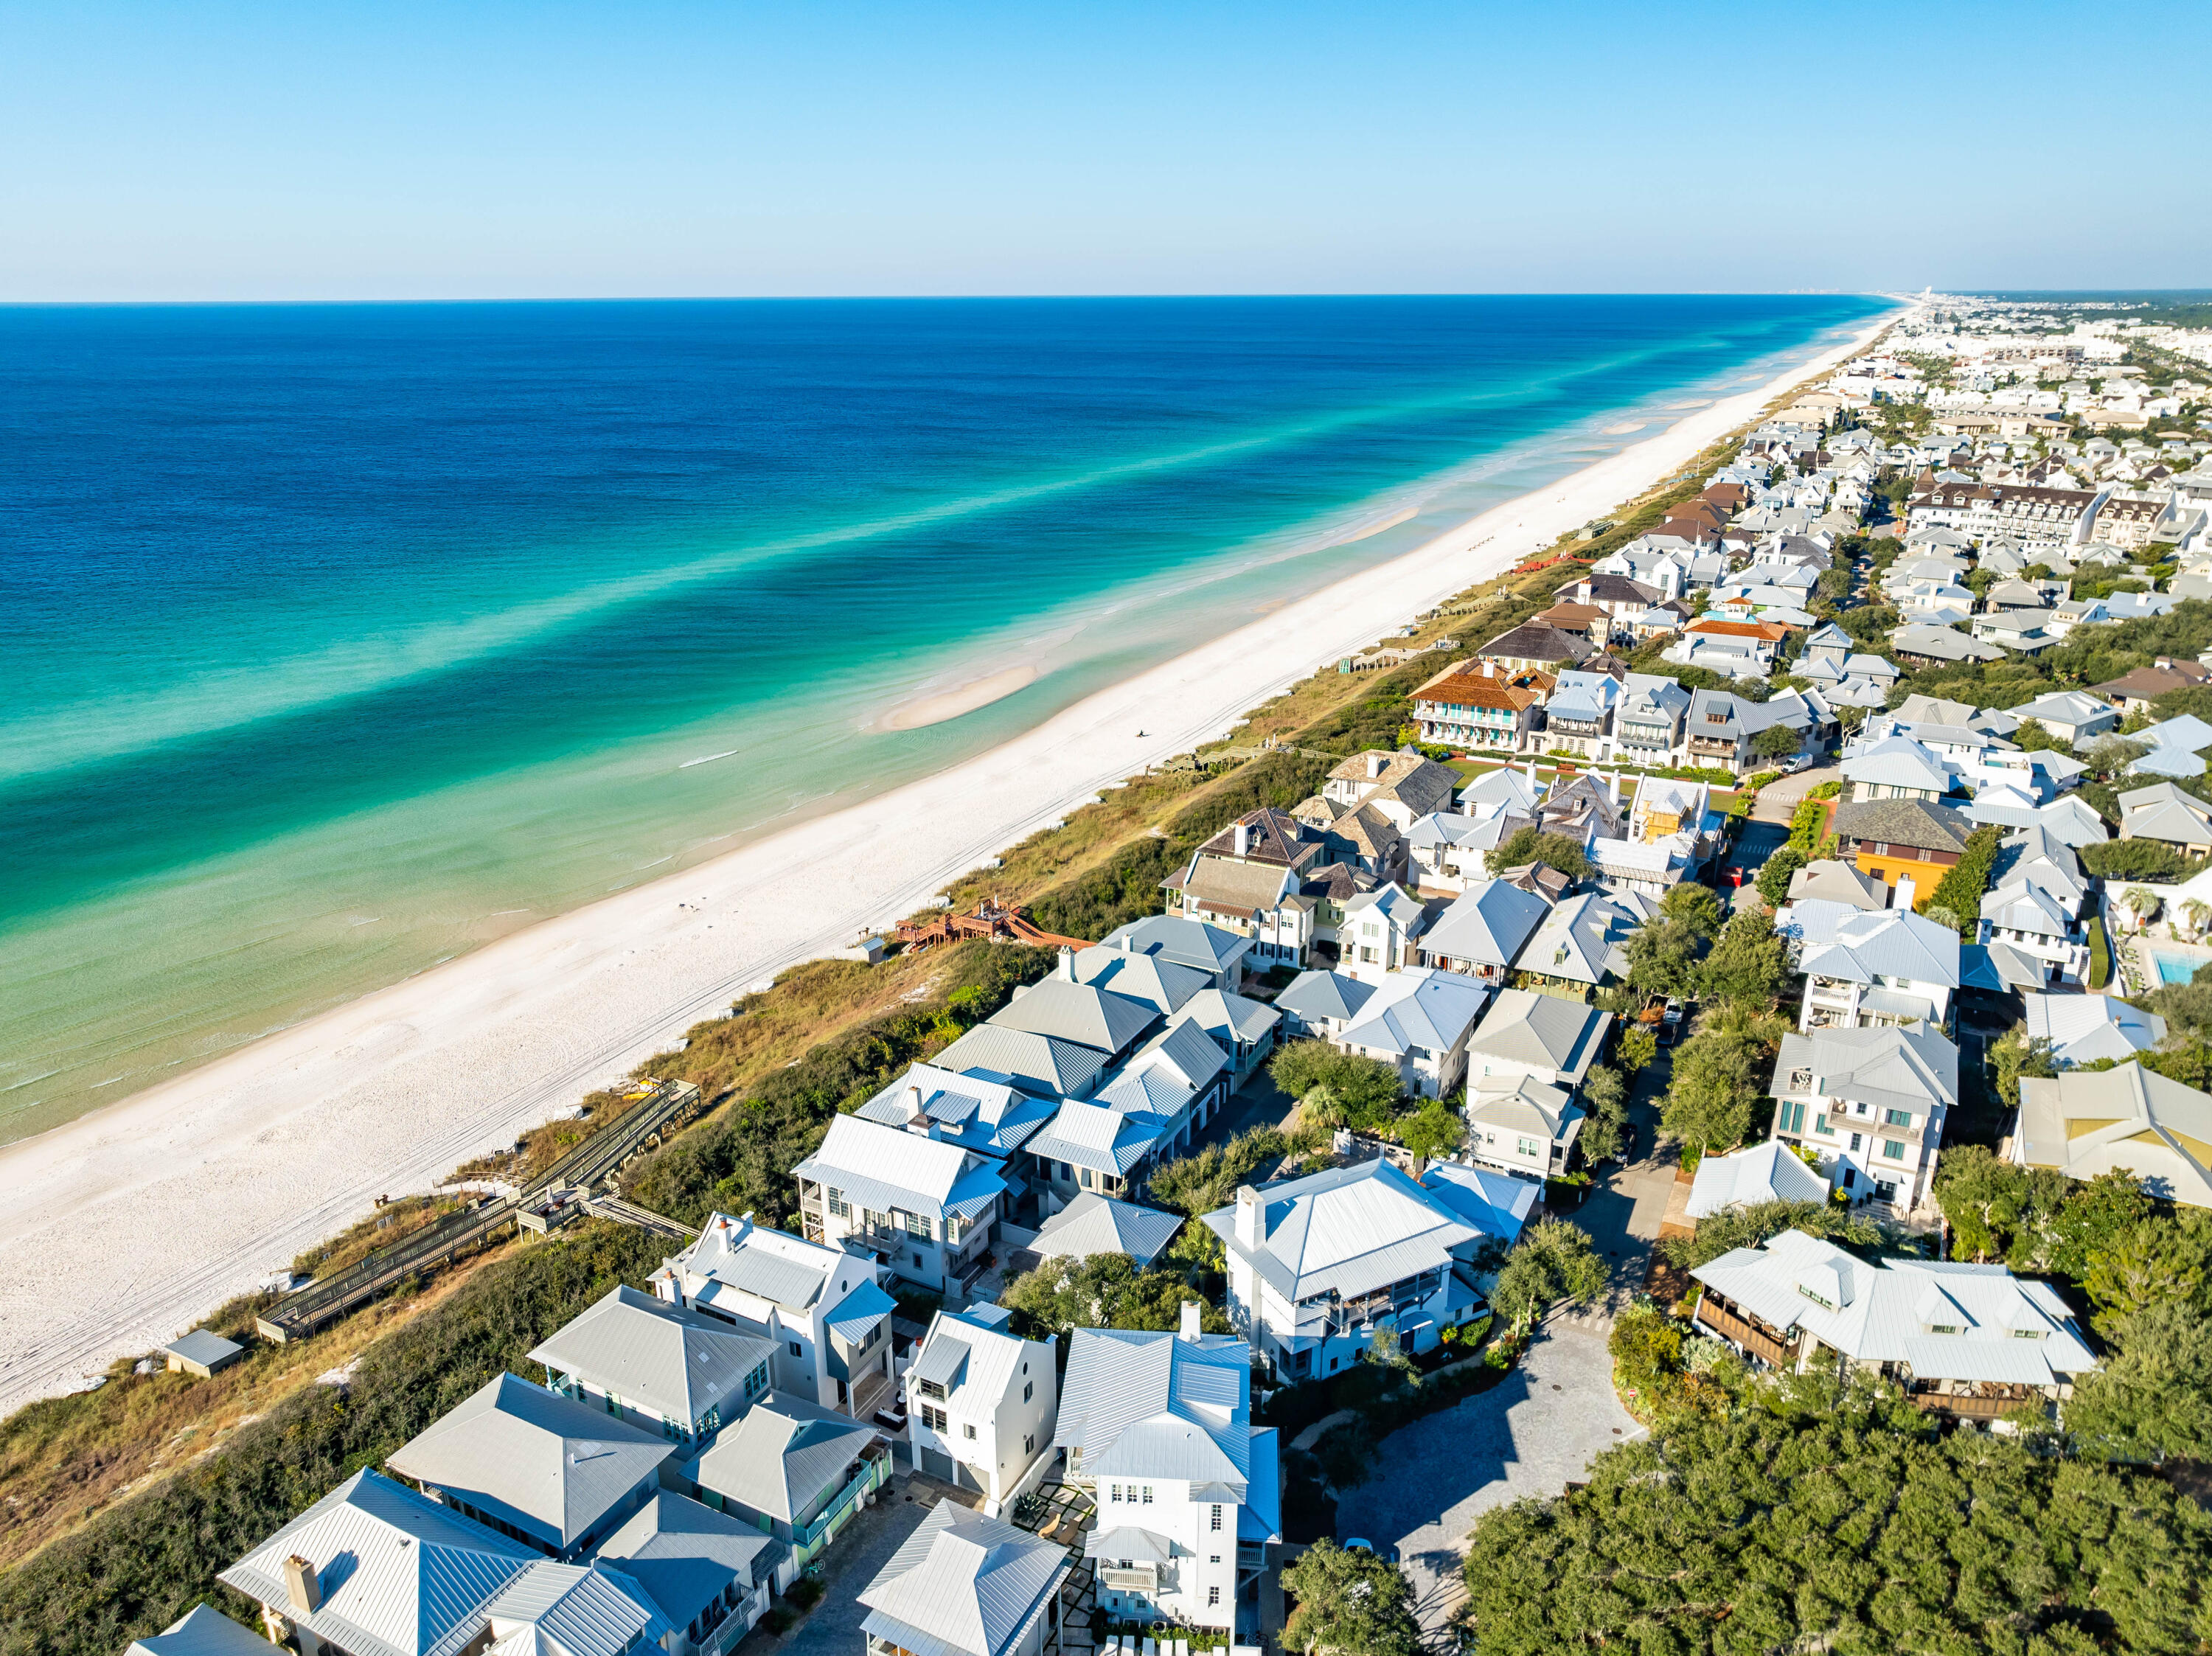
(337, 640)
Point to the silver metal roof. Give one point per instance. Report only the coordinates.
(202, 1631)
(1543, 1031)
(685, 1555)
(1157, 1405)
(682, 1364)
(884, 1167)
(1348, 1231)
(1061, 1010)
(1041, 1064)
(1094, 1223)
(548, 1464)
(203, 1346)
(782, 1456)
(1325, 995)
(400, 1575)
(573, 1609)
(963, 1585)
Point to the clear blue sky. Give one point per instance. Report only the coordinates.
(328, 149)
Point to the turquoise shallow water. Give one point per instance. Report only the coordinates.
(338, 639)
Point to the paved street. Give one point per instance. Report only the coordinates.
(1778, 800)
(834, 1627)
(1530, 1436)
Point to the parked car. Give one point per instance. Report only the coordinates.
(1361, 1544)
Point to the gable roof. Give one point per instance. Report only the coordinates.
(546, 1464)
(1892, 943)
(737, 1257)
(1833, 881)
(202, 1631)
(970, 1110)
(1912, 1068)
(573, 1609)
(679, 1363)
(400, 1575)
(1163, 983)
(1158, 1404)
(2083, 1028)
(1488, 922)
(1061, 1010)
(1581, 940)
(2085, 1123)
(1185, 941)
(1331, 995)
(884, 1167)
(1044, 1065)
(1416, 1006)
(963, 1585)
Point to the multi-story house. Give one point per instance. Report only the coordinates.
(1319, 1265)
(1191, 943)
(793, 1471)
(1378, 931)
(1533, 646)
(1544, 1036)
(682, 1374)
(1157, 1427)
(1721, 729)
(1898, 840)
(1578, 718)
(967, 1584)
(1263, 880)
(1870, 1103)
(2084, 1123)
(914, 1203)
(1483, 932)
(1417, 1020)
(1968, 1342)
(2029, 517)
(980, 1402)
(2037, 905)
(1865, 969)
(1402, 787)
(1462, 707)
(1648, 724)
(822, 1308)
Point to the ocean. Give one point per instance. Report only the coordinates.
(336, 640)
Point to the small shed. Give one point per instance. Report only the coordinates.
(202, 1352)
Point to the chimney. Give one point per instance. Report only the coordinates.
(303, 1587)
(1905, 893)
(1188, 1328)
(917, 1119)
(1248, 1217)
(1067, 972)
(1244, 839)
(1616, 787)
(1375, 764)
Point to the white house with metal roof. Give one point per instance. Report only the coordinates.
(794, 1471)
(823, 1309)
(1418, 1021)
(683, 1374)
(1377, 936)
(1318, 1265)
(979, 1403)
(1483, 932)
(1158, 1428)
(1321, 1006)
(1970, 1341)
(1870, 1103)
(993, 1118)
(1524, 1032)
(966, 1584)
(1866, 968)
(545, 1470)
(920, 1204)
(573, 1609)
(1213, 949)
(374, 1568)
(1522, 1124)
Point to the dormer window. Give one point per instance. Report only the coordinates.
(1824, 1303)
(1943, 1328)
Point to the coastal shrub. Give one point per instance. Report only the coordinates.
(1105, 1290)
(135, 1568)
(2138, 859)
(1839, 1528)
(1527, 846)
(1552, 1261)
(1364, 1091)
(1207, 1179)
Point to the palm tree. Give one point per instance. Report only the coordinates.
(2142, 903)
(2196, 913)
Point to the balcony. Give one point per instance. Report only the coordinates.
(1755, 1340)
(1137, 1578)
(1719, 747)
(1990, 1402)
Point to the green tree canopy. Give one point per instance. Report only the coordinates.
(1776, 742)
(1826, 1532)
(1749, 1226)
(1529, 846)
(1106, 1291)
(1366, 1089)
(1552, 1261)
(1434, 1129)
(2152, 1396)
(1750, 965)
(1350, 1604)
(1721, 1075)
(1773, 881)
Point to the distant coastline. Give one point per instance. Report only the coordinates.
(257, 1155)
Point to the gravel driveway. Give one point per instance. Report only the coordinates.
(1528, 1435)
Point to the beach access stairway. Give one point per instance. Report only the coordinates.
(644, 1125)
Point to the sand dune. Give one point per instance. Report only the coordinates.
(125, 1225)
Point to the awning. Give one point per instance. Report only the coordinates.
(1129, 1542)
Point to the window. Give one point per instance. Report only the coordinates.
(1857, 1139)
(1214, 1558)
(968, 1432)
(1790, 1116)
(1027, 1390)
(917, 1224)
(795, 1351)
(1801, 1081)
(1894, 1148)
(839, 1205)
(931, 1388)
(1029, 1444)
(918, 1264)
(1212, 1596)
(934, 1418)
(1897, 1117)
(1147, 1500)
(1213, 1521)
(1530, 1146)
(1114, 1492)
(1822, 1125)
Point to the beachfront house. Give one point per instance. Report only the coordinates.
(822, 1309)
(1158, 1429)
(980, 1403)
(904, 1197)
(1463, 708)
(681, 1373)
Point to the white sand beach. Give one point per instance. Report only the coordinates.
(124, 1226)
(935, 709)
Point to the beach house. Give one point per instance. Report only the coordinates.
(822, 1309)
(681, 1373)
(2085, 1123)
(793, 1470)
(1870, 1104)
(902, 1196)
(964, 1584)
(1158, 1429)
(1464, 708)
(980, 1403)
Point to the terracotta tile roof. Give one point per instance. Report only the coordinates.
(1456, 687)
(1772, 631)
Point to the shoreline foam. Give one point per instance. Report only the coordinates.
(241, 1164)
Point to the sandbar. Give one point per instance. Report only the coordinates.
(936, 708)
(124, 1226)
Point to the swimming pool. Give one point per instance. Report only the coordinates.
(2178, 968)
